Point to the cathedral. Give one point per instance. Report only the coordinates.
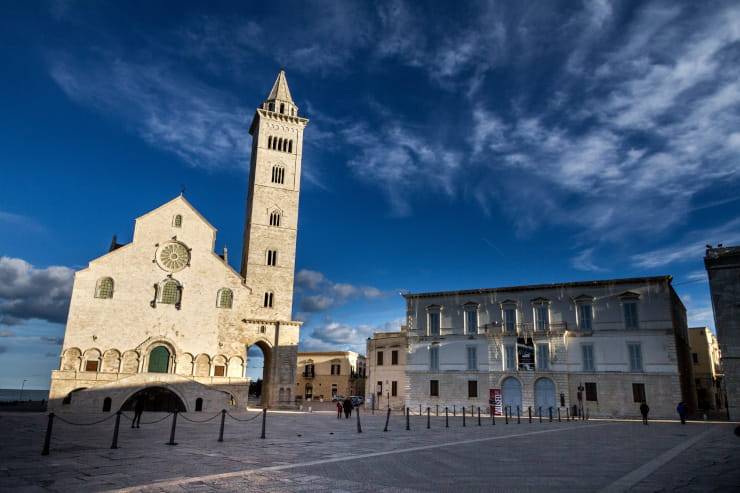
(166, 319)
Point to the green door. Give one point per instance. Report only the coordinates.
(159, 360)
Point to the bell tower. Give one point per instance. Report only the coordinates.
(268, 258)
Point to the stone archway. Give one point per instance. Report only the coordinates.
(156, 399)
(267, 369)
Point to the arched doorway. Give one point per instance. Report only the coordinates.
(156, 399)
(159, 360)
(511, 391)
(258, 368)
(544, 394)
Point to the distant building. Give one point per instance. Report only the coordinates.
(723, 268)
(386, 361)
(323, 375)
(613, 343)
(705, 357)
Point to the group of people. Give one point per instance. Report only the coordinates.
(682, 409)
(346, 407)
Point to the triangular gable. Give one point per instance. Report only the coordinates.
(584, 297)
(629, 295)
(540, 300)
(180, 198)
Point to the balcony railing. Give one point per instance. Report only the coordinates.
(308, 374)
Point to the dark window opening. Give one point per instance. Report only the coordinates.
(394, 388)
(380, 358)
(638, 392)
(434, 388)
(198, 404)
(591, 391)
(219, 371)
(695, 357)
(107, 403)
(472, 388)
(91, 365)
(394, 357)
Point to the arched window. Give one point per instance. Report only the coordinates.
(290, 145)
(107, 402)
(225, 298)
(268, 299)
(177, 221)
(269, 142)
(199, 404)
(159, 360)
(278, 174)
(272, 257)
(104, 288)
(282, 108)
(275, 218)
(272, 106)
(170, 292)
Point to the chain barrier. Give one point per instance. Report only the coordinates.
(84, 424)
(147, 422)
(182, 415)
(243, 420)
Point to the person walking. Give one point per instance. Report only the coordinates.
(644, 410)
(682, 411)
(339, 410)
(138, 411)
(347, 405)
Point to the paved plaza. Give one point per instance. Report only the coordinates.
(317, 452)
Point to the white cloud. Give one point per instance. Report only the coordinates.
(27, 292)
(317, 293)
(585, 261)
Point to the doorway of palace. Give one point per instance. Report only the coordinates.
(544, 394)
(156, 399)
(511, 391)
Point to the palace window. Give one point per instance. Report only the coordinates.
(394, 357)
(225, 298)
(275, 218)
(630, 315)
(591, 394)
(472, 353)
(510, 357)
(638, 392)
(278, 174)
(268, 299)
(542, 316)
(510, 320)
(471, 319)
(635, 354)
(587, 354)
(434, 357)
(379, 358)
(585, 316)
(434, 388)
(394, 388)
(472, 388)
(177, 221)
(272, 257)
(104, 288)
(543, 356)
(433, 321)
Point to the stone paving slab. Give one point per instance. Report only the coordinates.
(556, 456)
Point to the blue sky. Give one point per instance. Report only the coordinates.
(450, 146)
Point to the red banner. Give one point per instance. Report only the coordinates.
(496, 402)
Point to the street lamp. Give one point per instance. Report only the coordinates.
(20, 395)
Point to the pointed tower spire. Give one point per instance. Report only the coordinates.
(279, 100)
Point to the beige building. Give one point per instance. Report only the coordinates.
(386, 382)
(167, 319)
(705, 357)
(323, 375)
(601, 347)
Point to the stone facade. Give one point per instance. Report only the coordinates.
(612, 342)
(323, 375)
(166, 312)
(387, 385)
(723, 268)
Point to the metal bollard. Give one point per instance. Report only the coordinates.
(47, 439)
(529, 411)
(172, 430)
(506, 414)
(567, 414)
(478, 415)
(550, 411)
(587, 416)
(463, 416)
(493, 417)
(447, 418)
(408, 425)
(264, 422)
(429, 422)
(387, 418)
(114, 444)
(359, 426)
(518, 416)
(454, 410)
(437, 410)
(221, 430)
(539, 411)
(558, 415)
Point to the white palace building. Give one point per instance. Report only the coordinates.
(613, 343)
